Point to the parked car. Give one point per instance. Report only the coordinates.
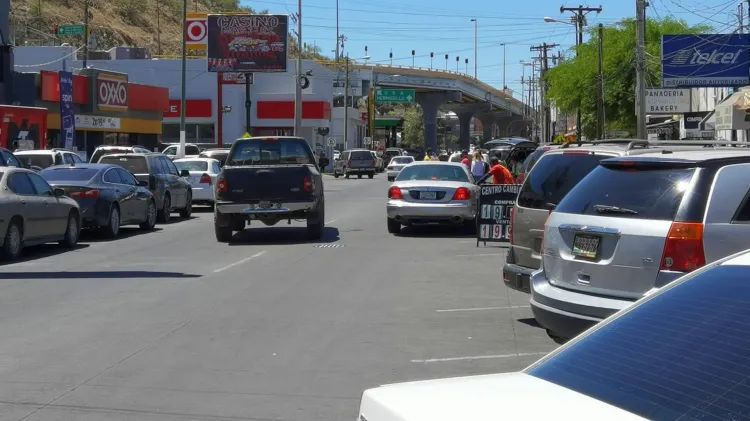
(379, 164)
(108, 195)
(432, 192)
(169, 186)
(191, 150)
(636, 223)
(397, 164)
(8, 159)
(203, 176)
(553, 176)
(34, 213)
(41, 159)
(526, 166)
(101, 151)
(219, 154)
(676, 355)
(389, 153)
(270, 179)
(357, 162)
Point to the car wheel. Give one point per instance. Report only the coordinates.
(359, 175)
(188, 209)
(72, 231)
(211, 206)
(223, 232)
(558, 339)
(335, 175)
(113, 223)
(370, 176)
(150, 221)
(394, 227)
(316, 223)
(346, 174)
(166, 211)
(13, 243)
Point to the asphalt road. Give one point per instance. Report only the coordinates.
(171, 325)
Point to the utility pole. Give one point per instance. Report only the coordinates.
(298, 76)
(741, 17)
(580, 13)
(158, 27)
(183, 79)
(346, 102)
(640, 67)
(86, 32)
(546, 116)
(600, 93)
(337, 31)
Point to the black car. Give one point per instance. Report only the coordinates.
(217, 154)
(108, 195)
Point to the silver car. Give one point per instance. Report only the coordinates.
(432, 192)
(637, 223)
(396, 165)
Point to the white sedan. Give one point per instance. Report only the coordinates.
(396, 165)
(203, 173)
(680, 353)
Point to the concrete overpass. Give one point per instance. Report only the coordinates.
(451, 91)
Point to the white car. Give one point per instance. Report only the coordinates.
(191, 151)
(678, 353)
(379, 165)
(203, 174)
(396, 165)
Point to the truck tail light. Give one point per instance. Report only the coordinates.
(221, 186)
(309, 184)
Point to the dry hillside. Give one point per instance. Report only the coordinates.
(113, 22)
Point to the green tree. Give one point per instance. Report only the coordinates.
(573, 83)
(413, 134)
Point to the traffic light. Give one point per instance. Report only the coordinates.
(432, 55)
(56, 27)
(390, 55)
(412, 52)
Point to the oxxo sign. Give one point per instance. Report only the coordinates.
(112, 92)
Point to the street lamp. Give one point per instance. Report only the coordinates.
(504, 85)
(475, 47)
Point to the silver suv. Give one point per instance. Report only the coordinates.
(357, 162)
(634, 224)
(557, 171)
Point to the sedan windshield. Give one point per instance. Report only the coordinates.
(433, 172)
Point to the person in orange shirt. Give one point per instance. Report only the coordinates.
(500, 174)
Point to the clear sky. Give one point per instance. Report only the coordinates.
(445, 27)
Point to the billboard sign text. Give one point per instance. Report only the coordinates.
(693, 61)
(250, 43)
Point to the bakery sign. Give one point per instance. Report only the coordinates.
(667, 101)
(112, 92)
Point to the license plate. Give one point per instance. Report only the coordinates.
(586, 246)
(428, 195)
(262, 206)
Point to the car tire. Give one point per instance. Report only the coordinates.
(13, 243)
(370, 176)
(394, 227)
(359, 176)
(165, 213)
(112, 230)
(390, 179)
(558, 339)
(150, 222)
(188, 209)
(316, 223)
(223, 234)
(72, 231)
(346, 175)
(211, 206)
(335, 174)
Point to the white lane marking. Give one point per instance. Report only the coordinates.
(331, 221)
(478, 255)
(450, 310)
(240, 262)
(467, 241)
(479, 357)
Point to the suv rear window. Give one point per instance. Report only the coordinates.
(40, 160)
(259, 151)
(102, 152)
(554, 176)
(362, 156)
(681, 355)
(641, 194)
(134, 164)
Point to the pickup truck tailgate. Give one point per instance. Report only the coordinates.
(246, 184)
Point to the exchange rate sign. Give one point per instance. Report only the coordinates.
(250, 43)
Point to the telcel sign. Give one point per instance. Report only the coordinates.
(112, 92)
(692, 61)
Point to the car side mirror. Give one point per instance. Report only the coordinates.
(143, 183)
(59, 192)
(323, 161)
(184, 173)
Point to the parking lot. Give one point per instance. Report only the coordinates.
(170, 324)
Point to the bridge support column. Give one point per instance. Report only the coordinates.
(488, 119)
(464, 129)
(510, 125)
(431, 103)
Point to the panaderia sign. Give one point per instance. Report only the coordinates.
(667, 101)
(112, 92)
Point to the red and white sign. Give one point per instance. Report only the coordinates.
(233, 78)
(112, 92)
(196, 29)
(194, 108)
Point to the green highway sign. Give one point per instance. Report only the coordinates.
(70, 30)
(395, 95)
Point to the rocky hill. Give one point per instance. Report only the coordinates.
(154, 24)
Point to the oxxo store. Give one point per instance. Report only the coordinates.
(108, 109)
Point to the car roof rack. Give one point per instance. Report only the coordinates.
(706, 143)
(602, 142)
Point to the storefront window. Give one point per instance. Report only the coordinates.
(194, 133)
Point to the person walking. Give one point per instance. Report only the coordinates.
(477, 165)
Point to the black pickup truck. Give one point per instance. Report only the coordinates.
(269, 179)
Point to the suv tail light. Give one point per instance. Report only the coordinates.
(395, 193)
(348, 164)
(462, 193)
(683, 250)
(512, 220)
(206, 179)
(221, 186)
(86, 194)
(309, 184)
